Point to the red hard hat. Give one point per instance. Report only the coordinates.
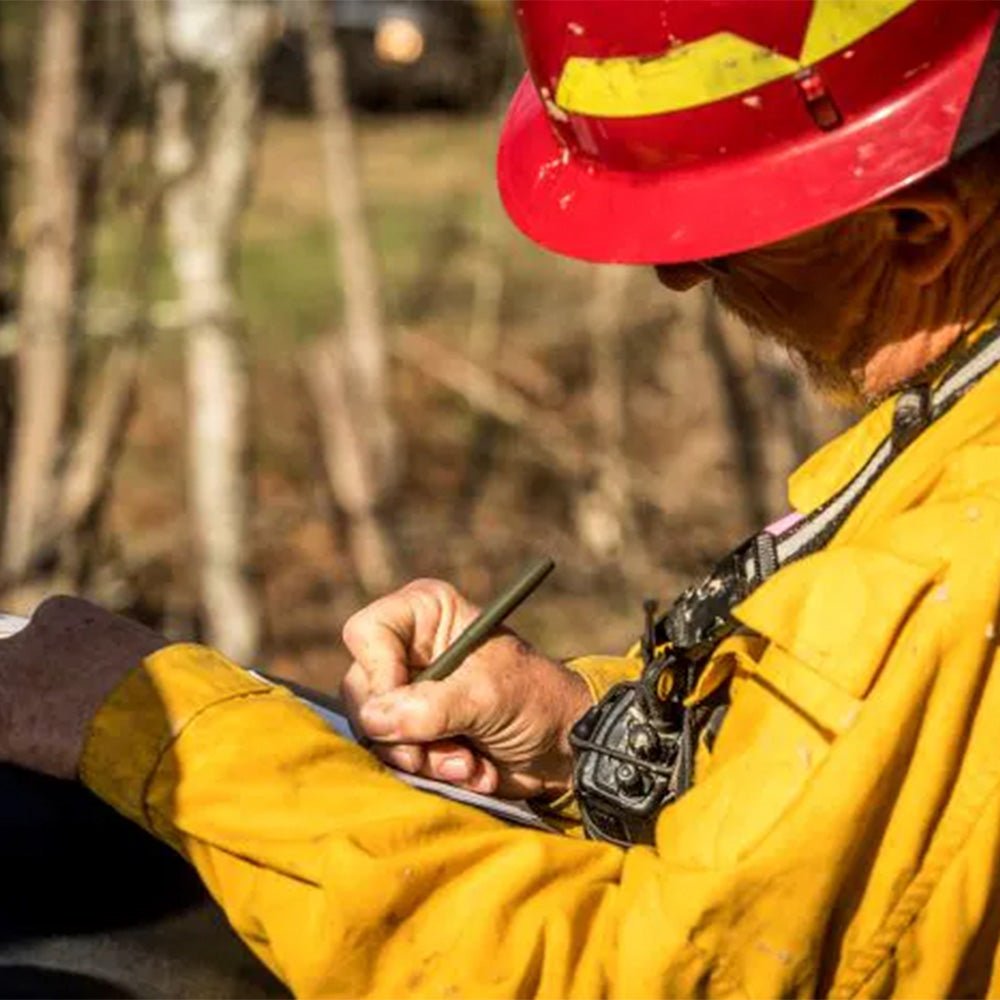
(673, 130)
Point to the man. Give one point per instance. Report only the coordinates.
(832, 167)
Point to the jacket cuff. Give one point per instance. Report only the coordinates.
(602, 673)
(563, 813)
(56, 672)
(146, 712)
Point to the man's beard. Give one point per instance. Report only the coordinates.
(835, 381)
(834, 327)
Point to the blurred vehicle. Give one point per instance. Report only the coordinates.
(400, 54)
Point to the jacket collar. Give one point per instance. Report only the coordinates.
(826, 471)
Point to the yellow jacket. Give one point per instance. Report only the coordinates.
(843, 838)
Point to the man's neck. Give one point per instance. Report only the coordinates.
(899, 363)
(923, 331)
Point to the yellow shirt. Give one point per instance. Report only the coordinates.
(843, 838)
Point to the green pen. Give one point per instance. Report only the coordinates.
(479, 629)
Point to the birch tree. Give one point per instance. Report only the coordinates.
(47, 317)
(485, 339)
(6, 118)
(203, 59)
(103, 403)
(604, 513)
(348, 372)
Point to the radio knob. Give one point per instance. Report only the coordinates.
(629, 779)
(644, 742)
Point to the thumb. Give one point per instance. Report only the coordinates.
(422, 712)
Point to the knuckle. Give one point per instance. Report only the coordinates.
(431, 588)
(355, 681)
(436, 717)
(354, 627)
(402, 755)
(481, 695)
(423, 716)
(418, 591)
(363, 627)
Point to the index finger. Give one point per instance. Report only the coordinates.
(379, 638)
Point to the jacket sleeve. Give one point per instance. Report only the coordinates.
(343, 880)
(349, 883)
(602, 673)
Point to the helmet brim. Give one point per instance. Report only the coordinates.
(581, 209)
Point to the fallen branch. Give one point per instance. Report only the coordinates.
(93, 459)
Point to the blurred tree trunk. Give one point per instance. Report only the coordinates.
(485, 338)
(47, 320)
(206, 139)
(104, 403)
(86, 484)
(8, 115)
(349, 468)
(7, 118)
(736, 377)
(774, 419)
(360, 439)
(604, 508)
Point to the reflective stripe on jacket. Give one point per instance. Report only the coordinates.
(843, 837)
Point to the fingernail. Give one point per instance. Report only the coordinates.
(406, 759)
(454, 768)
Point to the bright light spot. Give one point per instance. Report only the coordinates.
(398, 40)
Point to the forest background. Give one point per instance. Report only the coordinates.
(269, 346)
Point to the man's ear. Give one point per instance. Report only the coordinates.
(929, 229)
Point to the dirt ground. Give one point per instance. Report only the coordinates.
(477, 498)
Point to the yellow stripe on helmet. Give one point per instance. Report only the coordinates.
(835, 24)
(701, 72)
(712, 68)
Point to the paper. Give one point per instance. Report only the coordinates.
(9, 624)
(505, 809)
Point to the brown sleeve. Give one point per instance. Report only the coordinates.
(56, 673)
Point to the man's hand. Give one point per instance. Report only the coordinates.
(54, 676)
(500, 723)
